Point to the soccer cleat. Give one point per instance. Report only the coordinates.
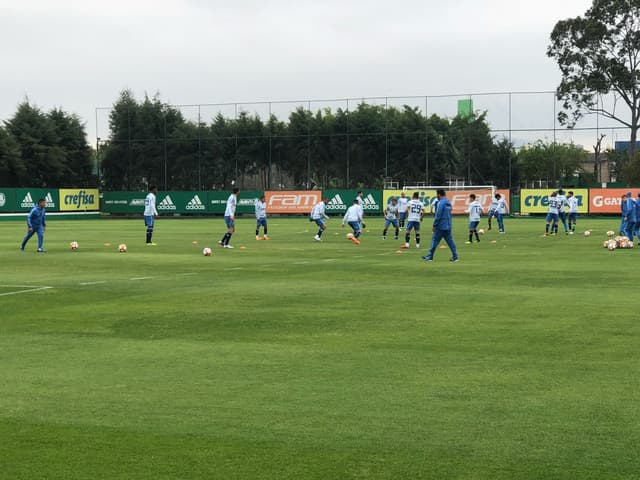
(546, 234)
(317, 238)
(151, 244)
(228, 246)
(417, 245)
(220, 243)
(395, 238)
(384, 237)
(257, 237)
(265, 237)
(356, 241)
(41, 250)
(453, 259)
(468, 243)
(571, 233)
(405, 245)
(427, 258)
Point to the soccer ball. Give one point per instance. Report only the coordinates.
(587, 233)
(73, 245)
(206, 252)
(122, 248)
(610, 233)
(349, 236)
(611, 245)
(481, 231)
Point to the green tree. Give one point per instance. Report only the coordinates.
(597, 54)
(555, 163)
(12, 168)
(78, 156)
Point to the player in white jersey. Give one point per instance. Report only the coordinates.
(318, 216)
(261, 217)
(501, 211)
(572, 201)
(150, 212)
(493, 208)
(415, 213)
(552, 215)
(474, 210)
(353, 217)
(230, 217)
(562, 214)
(391, 217)
(403, 202)
(361, 205)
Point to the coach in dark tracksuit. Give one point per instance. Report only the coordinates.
(442, 228)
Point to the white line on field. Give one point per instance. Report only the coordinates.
(301, 263)
(93, 283)
(330, 260)
(35, 289)
(140, 278)
(185, 274)
(235, 268)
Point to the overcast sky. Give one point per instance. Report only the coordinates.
(79, 54)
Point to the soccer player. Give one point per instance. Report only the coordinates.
(391, 218)
(631, 217)
(353, 217)
(573, 212)
(261, 217)
(150, 212)
(36, 223)
(415, 210)
(230, 218)
(501, 211)
(475, 210)
(492, 211)
(361, 205)
(623, 210)
(318, 216)
(403, 202)
(638, 216)
(552, 215)
(433, 205)
(562, 215)
(442, 228)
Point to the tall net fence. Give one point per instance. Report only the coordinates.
(334, 143)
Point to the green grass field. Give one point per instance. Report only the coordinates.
(292, 359)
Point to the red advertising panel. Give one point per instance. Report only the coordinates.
(460, 199)
(607, 200)
(292, 201)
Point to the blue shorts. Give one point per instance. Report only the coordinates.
(230, 222)
(572, 216)
(319, 222)
(474, 225)
(149, 220)
(491, 214)
(393, 222)
(261, 222)
(355, 226)
(552, 217)
(413, 225)
(403, 215)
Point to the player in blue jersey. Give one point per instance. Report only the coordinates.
(631, 217)
(552, 215)
(261, 217)
(36, 224)
(442, 228)
(391, 218)
(230, 217)
(150, 212)
(474, 210)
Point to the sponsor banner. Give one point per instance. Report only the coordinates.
(459, 198)
(340, 200)
(7, 199)
(292, 201)
(217, 201)
(79, 200)
(124, 202)
(27, 198)
(537, 200)
(181, 202)
(608, 200)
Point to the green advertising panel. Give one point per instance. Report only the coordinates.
(217, 201)
(7, 199)
(123, 202)
(26, 199)
(181, 202)
(340, 200)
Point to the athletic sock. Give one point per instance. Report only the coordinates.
(417, 239)
(407, 237)
(470, 236)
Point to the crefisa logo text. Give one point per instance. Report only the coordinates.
(80, 199)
